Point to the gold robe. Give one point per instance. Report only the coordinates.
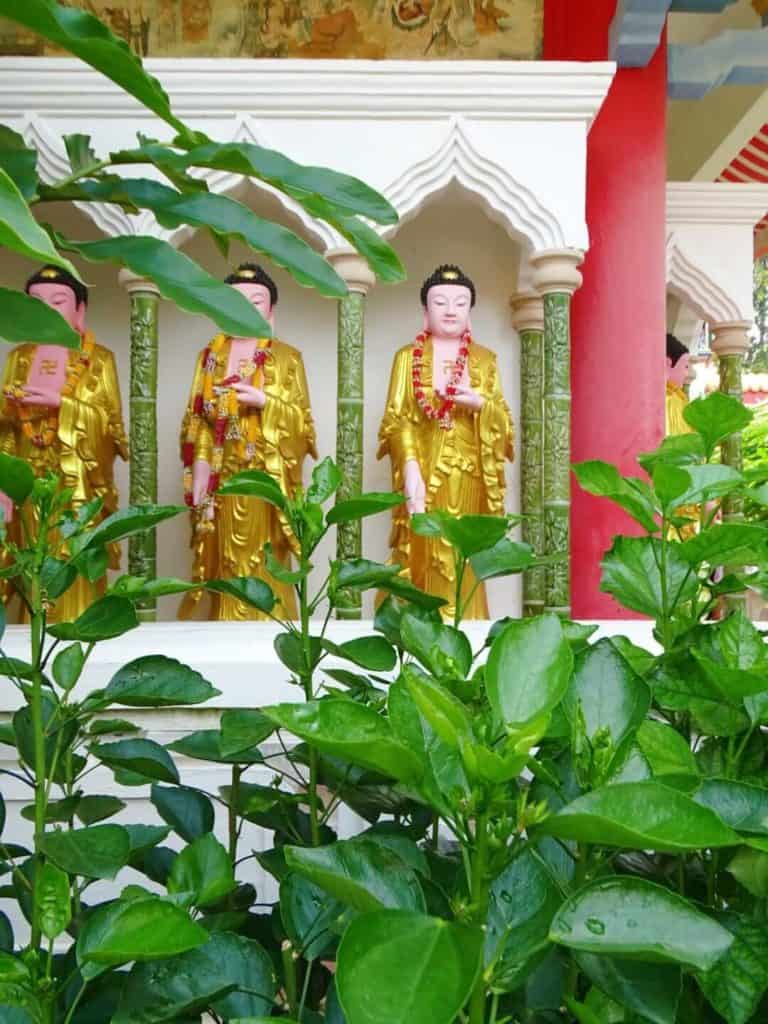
(285, 434)
(90, 435)
(676, 401)
(463, 468)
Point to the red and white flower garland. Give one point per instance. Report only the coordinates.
(442, 411)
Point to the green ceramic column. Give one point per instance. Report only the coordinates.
(556, 277)
(528, 319)
(142, 548)
(350, 347)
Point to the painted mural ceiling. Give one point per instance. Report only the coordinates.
(373, 29)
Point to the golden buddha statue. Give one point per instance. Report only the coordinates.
(61, 412)
(248, 409)
(678, 365)
(448, 432)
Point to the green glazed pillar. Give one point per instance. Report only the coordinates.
(730, 342)
(142, 548)
(528, 320)
(556, 277)
(350, 348)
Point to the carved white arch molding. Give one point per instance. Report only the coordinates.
(513, 134)
(695, 288)
(514, 205)
(710, 246)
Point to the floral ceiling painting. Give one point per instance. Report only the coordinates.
(372, 29)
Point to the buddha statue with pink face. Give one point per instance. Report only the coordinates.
(448, 433)
(248, 409)
(61, 413)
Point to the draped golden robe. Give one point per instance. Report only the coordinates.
(462, 467)
(90, 435)
(284, 435)
(676, 401)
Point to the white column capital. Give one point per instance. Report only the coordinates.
(133, 283)
(731, 338)
(350, 266)
(527, 311)
(556, 270)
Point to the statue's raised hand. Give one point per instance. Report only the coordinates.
(413, 488)
(469, 399)
(247, 394)
(6, 506)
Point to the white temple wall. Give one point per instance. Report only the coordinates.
(451, 228)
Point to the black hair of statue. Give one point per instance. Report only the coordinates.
(447, 273)
(252, 273)
(51, 274)
(675, 349)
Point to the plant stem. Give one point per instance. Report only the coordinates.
(234, 800)
(36, 711)
(306, 682)
(460, 563)
(479, 895)
(580, 877)
(289, 975)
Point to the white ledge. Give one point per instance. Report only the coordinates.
(504, 90)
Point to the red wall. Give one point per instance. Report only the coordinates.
(619, 314)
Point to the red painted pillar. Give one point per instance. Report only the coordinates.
(619, 314)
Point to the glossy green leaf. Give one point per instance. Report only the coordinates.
(750, 868)
(650, 990)
(188, 811)
(371, 652)
(67, 666)
(94, 808)
(670, 483)
(469, 534)
(605, 481)
(16, 478)
(632, 575)
(19, 161)
(360, 873)
(528, 670)
(151, 929)
(742, 806)
(222, 214)
(248, 589)
(385, 957)
(52, 900)
(731, 543)
(350, 731)
(710, 481)
(282, 573)
(83, 35)
(244, 728)
(360, 573)
(642, 816)
(379, 255)
(178, 278)
(523, 900)
(205, 745)
(155, 681)
(98, 851)
(106, 618)
(363, 505)
(610, 695)
(326, 478)
(144, 837)
(438, 706)
(112, 727)
(140, 755)
(202, 870)
(23, 316)
(19, 231)
(738, 981)
(254, 483)
(435, 644)
(504, 559)
(630, 917)
(665, 750)
(399, 586)
(312, 920)
(127, 522)
(716, 417)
